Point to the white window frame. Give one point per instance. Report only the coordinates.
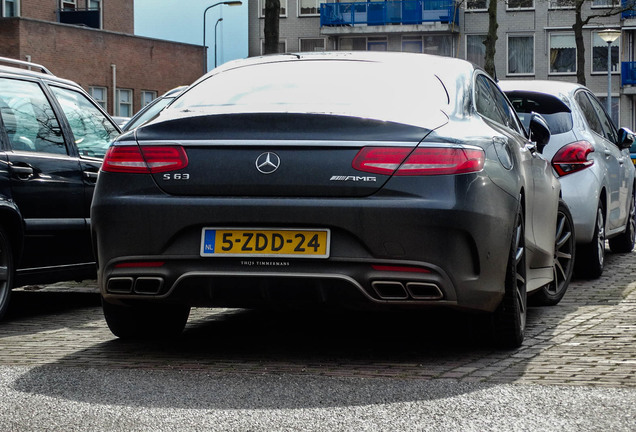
(119, 102)
(283, 7)
(554, 5)
(521, 8)
(324, 43)
(549, 53)
(101, 102)
(476, 9)
(616, 43)
(300, 14)
(144, 93)
(534, 58)
(16, 3)
(101, 11)
(73, 2)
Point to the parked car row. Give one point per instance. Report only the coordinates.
(264, 184)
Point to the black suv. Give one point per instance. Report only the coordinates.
(53, 137)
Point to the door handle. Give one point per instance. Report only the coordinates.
(90, 175)
(22, 171)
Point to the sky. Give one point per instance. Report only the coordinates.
(182, 21)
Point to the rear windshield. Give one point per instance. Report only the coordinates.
(355, 88)
(556, 113)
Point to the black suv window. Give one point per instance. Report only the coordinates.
(91, 129)
(29, 119)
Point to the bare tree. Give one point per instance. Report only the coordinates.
(491, 39)
(272, 14)
(580, 22)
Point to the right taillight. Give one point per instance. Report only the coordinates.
(572, 158)
(144, 159)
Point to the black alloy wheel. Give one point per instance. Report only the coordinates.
(590, 258)
(510, 316)
(6, 271)
(564, 250)
(624, 242)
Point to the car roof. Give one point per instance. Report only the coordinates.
(11, 70)
(541, 86)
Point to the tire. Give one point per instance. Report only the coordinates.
(590, 258)
(510, 316)
(145, 321)
(7, 271)
(564, 250)
(624, 242)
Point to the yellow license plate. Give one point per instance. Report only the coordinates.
(257, 242)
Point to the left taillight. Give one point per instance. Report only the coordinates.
(404, 161)
(144, 159)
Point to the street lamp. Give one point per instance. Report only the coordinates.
(609, 36)
(215, 38)
(205, 48)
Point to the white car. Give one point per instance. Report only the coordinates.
(591, 158)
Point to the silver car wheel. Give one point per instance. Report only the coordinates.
(600, 238)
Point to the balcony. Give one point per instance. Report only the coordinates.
(628, 73)
(86, 17)
(383, 13)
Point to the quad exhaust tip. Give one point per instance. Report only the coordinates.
(140, 285)
(395, 290)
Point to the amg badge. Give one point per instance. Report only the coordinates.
(352, 178)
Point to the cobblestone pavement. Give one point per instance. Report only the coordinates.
(588, 339)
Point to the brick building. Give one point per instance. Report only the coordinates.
(91, 42)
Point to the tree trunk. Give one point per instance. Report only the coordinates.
(272, 14)
(491, 39)
(580, 45)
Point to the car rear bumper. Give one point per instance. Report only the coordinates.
(438, 250)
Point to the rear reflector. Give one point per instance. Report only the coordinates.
(141, 264)
(572, 158)
(144, 159)
(400, 269)
(404, 161)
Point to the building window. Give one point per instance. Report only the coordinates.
(308, 7)
(95, 4)
(605, 3)
(562, 4)
(147, 96)
(376, 44)
(10, 8)
(283, 8)
(520, 55)
(99, 95)
(68, 5)
(124, 103)
(475, 49)
(520, 4)
(352, 44)
(599, 54)
(562, 54)
(308, 45)
(477, 5)
(412, 44)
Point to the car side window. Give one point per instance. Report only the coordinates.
(589, 112)
(609, 130)
(92, 130)
(491, 103)
(29, 119)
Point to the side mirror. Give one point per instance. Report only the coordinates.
(625, 138)
(539, 131)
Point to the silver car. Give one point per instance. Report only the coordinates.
(592, 159)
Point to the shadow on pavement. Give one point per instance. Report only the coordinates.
(240, 359)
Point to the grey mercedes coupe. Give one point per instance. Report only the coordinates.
(387, 180)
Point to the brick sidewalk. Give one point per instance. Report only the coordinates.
(588, 339)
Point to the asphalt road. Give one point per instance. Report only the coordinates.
(235, 370)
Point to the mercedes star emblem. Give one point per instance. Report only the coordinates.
(267, 162)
